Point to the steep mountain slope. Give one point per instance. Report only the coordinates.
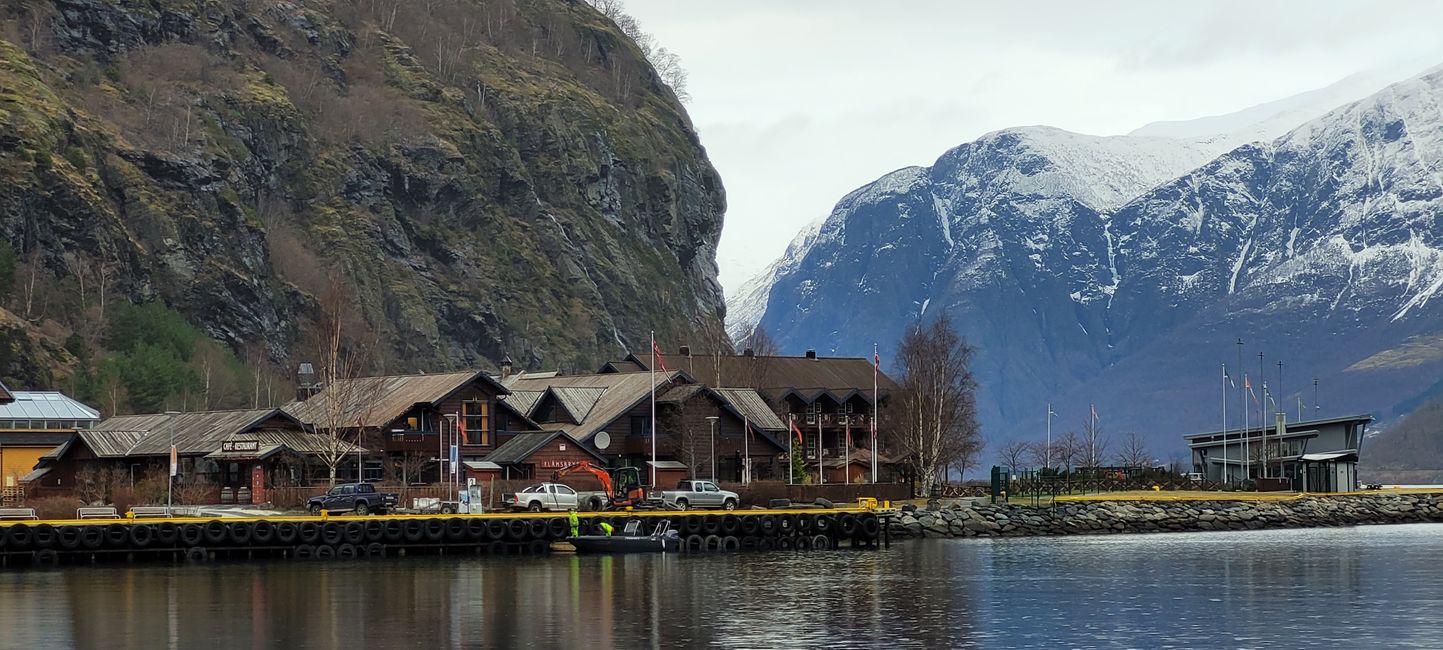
(488, 178)
(1090, 272)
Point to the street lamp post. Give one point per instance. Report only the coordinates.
(713, 420)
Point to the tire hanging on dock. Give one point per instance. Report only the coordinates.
(93, 537)
(196, 555)
(191, 534)
(354, 532)
(239, 533)
(375, 531)
(435, 530)
(263, 533)
(821, 543)
(215, 533)
(455, 530)
(141, 535)
(848, 526)
(68, 537)
(286, 532)
(42, 536)
(166, 534)
(331, 533)
(117, 536)
(309, 532)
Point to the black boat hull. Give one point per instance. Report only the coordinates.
(619, 544)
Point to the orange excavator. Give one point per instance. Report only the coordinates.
(622, 487)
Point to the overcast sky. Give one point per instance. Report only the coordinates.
(801, 101)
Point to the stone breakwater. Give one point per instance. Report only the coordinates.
(1104, 517)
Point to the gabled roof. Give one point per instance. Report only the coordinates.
(620, 393)
(749, 404)
(523, 401)
(199, 432)
(5, 396)
(578, 400)
(377, 401)
(770, 374)
(522, 445)
(45, 405)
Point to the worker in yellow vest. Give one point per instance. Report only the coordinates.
(606, 528)
(575, 522)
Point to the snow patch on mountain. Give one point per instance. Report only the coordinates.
(749, 304)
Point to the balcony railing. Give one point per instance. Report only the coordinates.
(832, 419)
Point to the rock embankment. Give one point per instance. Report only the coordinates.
(1103, 517)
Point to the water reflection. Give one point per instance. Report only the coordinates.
(1323, 588)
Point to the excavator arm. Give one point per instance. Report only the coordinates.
(584, 466)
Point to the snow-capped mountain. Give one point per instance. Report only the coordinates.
(1119, 271)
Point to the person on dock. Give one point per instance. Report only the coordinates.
(606, 528)
(575, 522)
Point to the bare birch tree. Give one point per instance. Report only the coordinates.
(345, 402)
(1134, 452)
(1014, 454)
(938, 414)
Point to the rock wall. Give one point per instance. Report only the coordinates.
(1103, 517)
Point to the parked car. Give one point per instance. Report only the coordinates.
(543, 496)
(700, 494)
(360, 498)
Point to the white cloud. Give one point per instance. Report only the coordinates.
(799, 102)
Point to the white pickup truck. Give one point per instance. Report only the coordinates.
(692, 493)
(543, 496)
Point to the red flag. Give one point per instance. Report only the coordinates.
(877, 361)
(656, 355)
(797, 431)
(461, 429)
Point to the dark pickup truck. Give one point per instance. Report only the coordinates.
(361, 498)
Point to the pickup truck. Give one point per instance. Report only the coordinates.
(699, 494)
(361, 498)
(543, 496)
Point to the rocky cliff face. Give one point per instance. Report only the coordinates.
(1120, 271)
(489, 179)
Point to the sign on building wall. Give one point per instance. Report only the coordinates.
(240, 445)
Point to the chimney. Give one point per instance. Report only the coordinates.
(306, 382)
(506, 364)
(812, 354)
(748, 353)
(686, 350)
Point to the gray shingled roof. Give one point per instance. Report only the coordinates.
(377, 401)
(749, 404)
(623, 391)
(578, 400)
(524, 400)
(773, 374)
(194, 433)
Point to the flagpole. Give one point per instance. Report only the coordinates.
(1225, 423)
(653, 409)
(791, 449)
(821, 471)
(1047, 454)
(847, 454)
(1247, 431)
(746, 450)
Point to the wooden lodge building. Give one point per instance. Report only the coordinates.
(608, 416)
(829, 399)
(241, 452)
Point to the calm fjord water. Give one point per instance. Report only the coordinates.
(1331, 588)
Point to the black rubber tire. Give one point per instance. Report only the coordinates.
(730, 524)
(68, 537)
(414, 531)
(263, 533)
(17, 536)
(824, 503)
(304, 552)
(375, 550)
(197, 555)
(784, 543)
(497, 547)
(331, 533)
(848, 526)
(537, 528)
(538, 547)
(141, 536)
(802, 543)
(166, 534)
(239, 533)
(347, 552)
(517, 530)
(805, 524)
(729, 505)
(93, 537)
(375, 530)
(117, 536)
(325, 552)
(713, 543)
(750, 525)
(354, 532)
(821, 543)
(766, 544)
(823, 524)
(215, 533)
(730, 543)
(786, 525)
(767, 525)
(691, 525)
(43, 536)
(496, 530)
(711, 525)
(315, 510)
(455, 530)
(750, 543)
(435, 529)
(871, 527)
(682, 504)
(191, 534)
(693, 543)
(395, 531)
(557, 528)
(595, 503)
(363, 508)
(47, 557)
(308, 532)
(534, 506)
(476, 530)
(286, 532)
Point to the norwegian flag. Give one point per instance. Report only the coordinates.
(797, 431)
(657, 356)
